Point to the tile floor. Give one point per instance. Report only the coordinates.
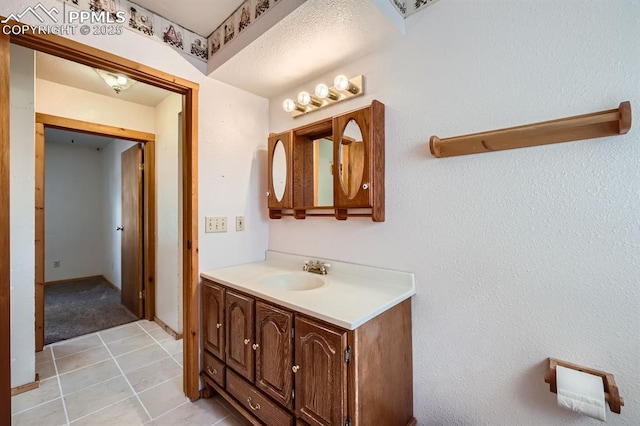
(126, 375)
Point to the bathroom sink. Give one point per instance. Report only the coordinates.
(293, 281)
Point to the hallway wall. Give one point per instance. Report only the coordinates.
(74, 212)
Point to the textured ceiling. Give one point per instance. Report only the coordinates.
(315, 38)
(72, 74)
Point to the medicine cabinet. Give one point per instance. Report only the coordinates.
(333, 167)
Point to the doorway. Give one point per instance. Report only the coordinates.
(68, 49)
(137, 228)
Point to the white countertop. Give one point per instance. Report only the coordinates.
(351, 295)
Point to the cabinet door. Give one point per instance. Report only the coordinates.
(213, 318)
(359, 156)
(280, 173)
(239, 321)
(274, 352)
(321, 373)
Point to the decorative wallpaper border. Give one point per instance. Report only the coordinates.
(409, 7)
(146, 22)
(150, 24)
(241, 19)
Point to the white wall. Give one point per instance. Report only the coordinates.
(233, 128)
(22, 215)
(168, 207)
(65, 101)
(74, 211)
(519, 255)
(112, 208)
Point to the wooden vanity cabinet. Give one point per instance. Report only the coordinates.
(320, 373)
(283, 368)
(274, 353)
(240, 333)
(213, 319)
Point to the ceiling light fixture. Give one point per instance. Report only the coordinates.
(343, 88)
(117, 82)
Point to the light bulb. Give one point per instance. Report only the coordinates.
(341, 82)
(304, 98)
(122, 80)
(322, 90)
(288, 105)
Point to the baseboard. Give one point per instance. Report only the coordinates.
(168, 329)
(92, 277)
(110, 283)
(26, 387)
(72, 280)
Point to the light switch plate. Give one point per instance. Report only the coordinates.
(239, 223)
(215, 224)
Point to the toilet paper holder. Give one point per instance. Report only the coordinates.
(611, 393)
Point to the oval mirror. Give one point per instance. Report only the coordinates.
(279, 170)
(351, 157)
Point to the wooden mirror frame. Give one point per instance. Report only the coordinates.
(369, 200)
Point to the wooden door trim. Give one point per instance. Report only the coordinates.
(98, 129)
(5, 228)
(44, 121)
(86, 55)
(39, 237)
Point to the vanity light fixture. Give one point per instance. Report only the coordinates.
(117, 82)
(323, 92)
(343, 88)
(290, 105)
(304, 98)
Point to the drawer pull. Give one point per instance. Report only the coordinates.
(213, 372)
(253, 407)
(255, 346)
(218, 325)
(246, 341)
(295, 368)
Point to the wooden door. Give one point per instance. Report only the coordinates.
(321, 373)
(274, 353)
(132, 232)
(239, 317)
(213, 318)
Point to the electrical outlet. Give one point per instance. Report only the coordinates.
(56, 263)
(239, 223)
(215, 224)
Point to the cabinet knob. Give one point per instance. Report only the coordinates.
(266, 194)
(211, 371)
(218, 325)
(295, 368)
(365, 186)
(246, 341)
(251, 405)
(255, 346)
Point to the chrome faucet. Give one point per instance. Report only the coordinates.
(316, 267)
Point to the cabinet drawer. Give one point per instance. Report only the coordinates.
(214, 368)
(257, 404)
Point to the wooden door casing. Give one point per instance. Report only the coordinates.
(132, 233)
(274, 353)
(239, 318)
(213, 315)
(321, 377)
(5, 230)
